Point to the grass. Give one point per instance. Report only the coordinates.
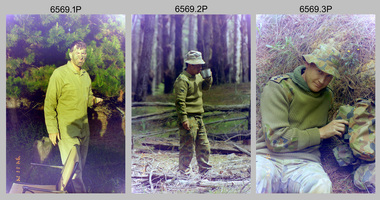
(283, 39)
(104, 171)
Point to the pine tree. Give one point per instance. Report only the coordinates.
(37, 44)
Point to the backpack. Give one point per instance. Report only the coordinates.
(359, 137)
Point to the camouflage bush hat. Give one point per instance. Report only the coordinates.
(194, 58)
(326, 58)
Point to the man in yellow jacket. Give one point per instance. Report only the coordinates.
(67, 97)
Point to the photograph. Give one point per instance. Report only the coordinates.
(65, 103)
(315, 103)
(191, 104)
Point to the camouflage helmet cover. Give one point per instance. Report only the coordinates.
(326, 58)
(194, 58)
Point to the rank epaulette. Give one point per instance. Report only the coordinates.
(279, 78)
(183, 77)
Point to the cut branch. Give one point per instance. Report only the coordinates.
(242, 150)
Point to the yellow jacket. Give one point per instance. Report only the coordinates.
(68, 95)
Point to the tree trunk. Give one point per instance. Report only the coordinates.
(160, 51)
(249, 45)
(219, 48)
(237, 58)
(154, 61)
(244, 49)
(136, 49)
(165, 44)
(207, 30)
(178, 58)
(12, 106)
(191, 33)
(200, 44)
(145, 59)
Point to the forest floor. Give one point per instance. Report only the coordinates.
(156, 171)
(155, 150)
(104, 171)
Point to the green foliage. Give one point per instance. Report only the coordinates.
(38, 78)
(14, 86)
(48, 19)
(107, 63)
(36, 44)
(109, 81)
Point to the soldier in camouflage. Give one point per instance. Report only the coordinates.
(189, 104)
(294, 109)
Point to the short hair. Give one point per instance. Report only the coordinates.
(80, 45)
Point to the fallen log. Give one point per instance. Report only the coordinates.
(241, 107)
(154, 116)
(241, 135)
(142, 104)
(170, 113)
(173, 144)
(227, 120)
(207, 108)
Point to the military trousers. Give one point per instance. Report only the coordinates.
(365, 176)
(66, 144)
(290, 176)
(192, 140)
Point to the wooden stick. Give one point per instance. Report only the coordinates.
(242, 150)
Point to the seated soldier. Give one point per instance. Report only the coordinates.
(294, 109)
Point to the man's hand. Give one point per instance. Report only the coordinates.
(335, 127)
(186, 125)
(97, 100)
(53, 138)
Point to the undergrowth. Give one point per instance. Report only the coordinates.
(104, 171)
(227, 94)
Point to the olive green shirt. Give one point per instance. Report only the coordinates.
(291, 116)
(188, 91)
(67, 98)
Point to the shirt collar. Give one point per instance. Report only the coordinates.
(188, 74)
(72, 68)
(297, 78)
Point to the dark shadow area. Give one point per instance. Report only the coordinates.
(104, 171)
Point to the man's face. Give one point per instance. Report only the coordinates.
(78, 56)
(315, 78)
(194, 69)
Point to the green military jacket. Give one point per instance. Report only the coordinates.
(67, 98)
(291, 116)
(188, 91)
